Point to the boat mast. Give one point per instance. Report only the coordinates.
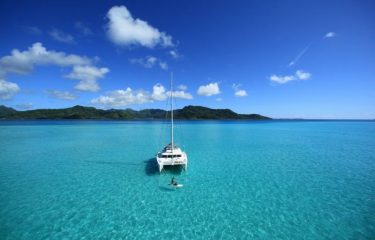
(172, 110)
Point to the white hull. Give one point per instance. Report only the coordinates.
(169, 158)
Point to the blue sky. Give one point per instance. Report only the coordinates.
(284, 59)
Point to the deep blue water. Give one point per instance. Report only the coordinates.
(245, 180)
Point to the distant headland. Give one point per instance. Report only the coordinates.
(81, 112)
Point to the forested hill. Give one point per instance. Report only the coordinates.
(81, 112)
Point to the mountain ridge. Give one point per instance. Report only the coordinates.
(81, 112)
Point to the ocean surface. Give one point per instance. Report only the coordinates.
(245, 180)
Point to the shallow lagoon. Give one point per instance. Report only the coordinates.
(245, 180)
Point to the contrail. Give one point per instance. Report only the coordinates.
(296, 59)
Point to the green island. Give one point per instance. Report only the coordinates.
(81, 112)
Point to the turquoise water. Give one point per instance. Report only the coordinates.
(245, 180)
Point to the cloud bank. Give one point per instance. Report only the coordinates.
(128, 96)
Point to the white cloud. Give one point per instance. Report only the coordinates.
(8, 89)
(219, 99)
(33, 30)
(299, 75)
(180, 94)
(238, 92)
(182, 87)
(282, 79)
(23, 62)
(158, 92)
(60, 36)
(149, 62)
(65, 95)
(175, 54)
(121, 98)
(123, 29)
(209, 89)
(163, 65)
(88, 75)
(89, 86)
(329, 35)
(85, 30)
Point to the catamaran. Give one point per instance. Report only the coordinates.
(171, 155)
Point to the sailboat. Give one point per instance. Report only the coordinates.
(171, 155)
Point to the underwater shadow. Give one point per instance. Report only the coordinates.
(151, 167)
(167, 189)
(114, 163)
